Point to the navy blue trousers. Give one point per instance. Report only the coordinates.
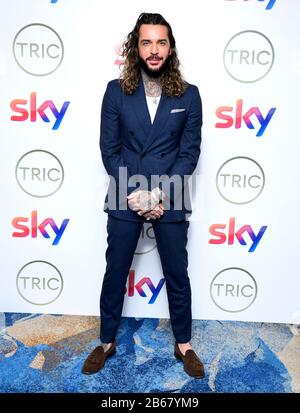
(171, 240)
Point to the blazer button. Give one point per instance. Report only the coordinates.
(142, 155)
(131, 132)
(162, 155)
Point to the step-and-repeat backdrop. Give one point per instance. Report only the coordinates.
(56, 58)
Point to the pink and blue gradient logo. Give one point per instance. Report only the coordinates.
(269, 3)
(239, 116)
(222, 234)
(30, 110)
(119, 50)
(152, 292)
(30, 227)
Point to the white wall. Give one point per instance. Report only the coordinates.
(228, 281)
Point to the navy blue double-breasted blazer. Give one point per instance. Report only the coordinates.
(169, 146)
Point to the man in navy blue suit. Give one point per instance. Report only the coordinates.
(150, 140)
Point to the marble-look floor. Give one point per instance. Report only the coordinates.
(45, 353)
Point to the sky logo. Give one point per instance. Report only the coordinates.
(17, 105)
(119, 50)
(139, 287)
(270, 3)
(33, 227)
(236, 120)
(53, 1)
(229, 235)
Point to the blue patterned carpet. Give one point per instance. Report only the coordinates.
(45, 353)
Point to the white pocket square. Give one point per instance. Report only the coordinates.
(177, 110)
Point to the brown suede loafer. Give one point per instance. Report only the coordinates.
(193, 366)
(96, 359)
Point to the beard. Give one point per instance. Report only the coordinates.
(153, 72)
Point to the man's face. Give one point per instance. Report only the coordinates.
(154, 48)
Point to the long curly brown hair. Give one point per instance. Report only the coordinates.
(171, 81)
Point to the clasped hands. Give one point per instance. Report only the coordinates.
(146, 203)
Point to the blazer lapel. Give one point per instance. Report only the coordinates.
(140, 108)
(160, 120)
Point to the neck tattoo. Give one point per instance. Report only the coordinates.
(152, 87)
